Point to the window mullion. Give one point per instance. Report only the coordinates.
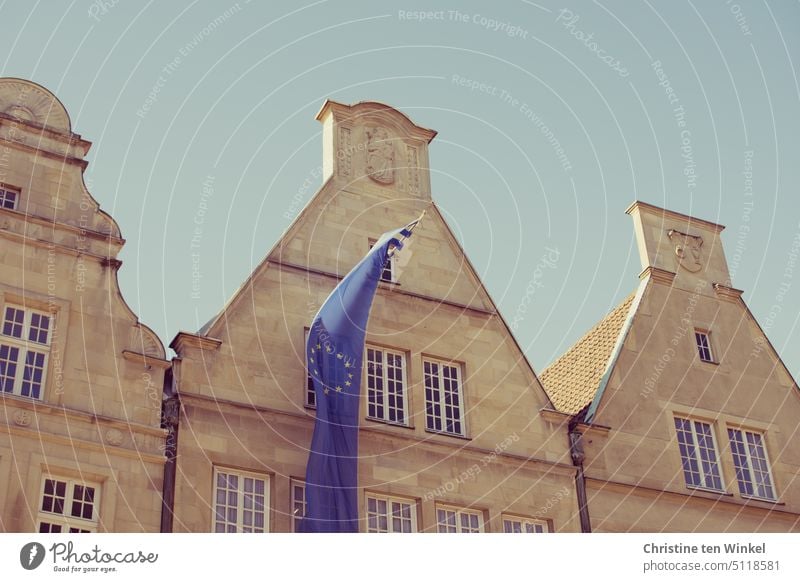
(385, 389)
(698, 457)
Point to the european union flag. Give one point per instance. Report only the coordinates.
(335, 350)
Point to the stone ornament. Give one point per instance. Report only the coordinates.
(380, 155)
(687, 250)
(22, 418)
(29, 102)
(113, 437)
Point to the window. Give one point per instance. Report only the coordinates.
(752, 466)
(310, 395)
(8, 197)
(703, 341)
(388, 269)
(455, 520)
(391, 514)
(698, 454)
(24, 346)
(524, 525)
(241, 502)
(386, 375)
(68, 506)
(443, 407)
(298, 503)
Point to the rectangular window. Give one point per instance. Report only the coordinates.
(24, 346)
(298, 503)
(391, 514)
(241, 502)
(9, 197)
(752, 466)
(443, 398)
(386, 381)
(456, 520)
(698, 454)
(524, 525)
(310, 398)
(703, 341)
(388, 268)
(68, 506)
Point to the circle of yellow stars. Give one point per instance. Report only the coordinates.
(339, 356)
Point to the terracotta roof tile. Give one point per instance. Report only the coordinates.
(572, 380)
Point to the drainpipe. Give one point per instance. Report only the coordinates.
(170, 414)
(578, 455)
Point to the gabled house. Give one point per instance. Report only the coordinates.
(451, 438)
(684, 417)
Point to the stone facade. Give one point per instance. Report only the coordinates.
(674, 413)
(687, 417)
(242, 383)
(81, 379)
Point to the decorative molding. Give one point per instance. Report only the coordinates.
(146, 360)
(113, 437)
(144, 341)
(640, 206)
(412, 169)
(552, 415)
(185, 340)
(659, 275)
(65, 412)
(345, 152)
(23, 417)
(32, 104)
(727, 293)
(380, 155)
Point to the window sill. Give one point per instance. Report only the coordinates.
(721, 493)
(753, 499)
(449, 434)
(388, 422)
(713, 363)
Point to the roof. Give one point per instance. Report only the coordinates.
(572, 380)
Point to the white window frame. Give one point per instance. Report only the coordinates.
(526, 524)
(750, 467)
(385, 380)
(373, 518)
(66, 521)
(308, 391)
(298, 505)
(26, 346)
(458, 514)
(701, 336)
(4, 191)
(388, 268)
(241, 500)
(704, 477)
(430, 411)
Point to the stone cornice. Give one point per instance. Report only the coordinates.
(106, 237)
(185, 339)
(393, 289)
(146, 360)
(8, 401)
(639, 205)
(659, 275)
(727, 293)
(220, 405)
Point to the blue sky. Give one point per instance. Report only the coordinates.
(552, 119)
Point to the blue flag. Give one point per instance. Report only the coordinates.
(334, 353)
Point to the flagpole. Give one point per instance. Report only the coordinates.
(410, 229)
